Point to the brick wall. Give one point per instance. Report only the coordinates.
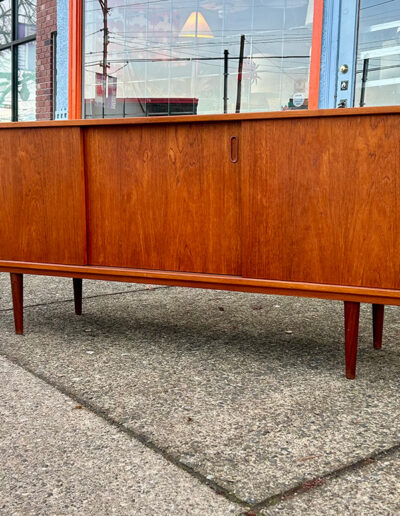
(45, 25)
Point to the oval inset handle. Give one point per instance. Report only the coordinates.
(234, 149)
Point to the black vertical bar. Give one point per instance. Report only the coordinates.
(14, 83)
(14, 20)
(54, 72)
(363, 82)
(14, 61)
(240, 68)
(226, 54)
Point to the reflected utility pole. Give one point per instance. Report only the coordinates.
(226, 73)
(240, 70)
(105, 10)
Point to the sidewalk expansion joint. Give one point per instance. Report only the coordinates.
(99, 412)
(317, 482)
(90, 297)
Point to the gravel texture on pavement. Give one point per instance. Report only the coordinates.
(245, 390)
(59, 458)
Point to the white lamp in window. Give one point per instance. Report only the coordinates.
(196, 27)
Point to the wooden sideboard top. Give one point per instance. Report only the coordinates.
(320, 113)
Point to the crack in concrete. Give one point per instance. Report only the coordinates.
(90, 297)
(317, 482)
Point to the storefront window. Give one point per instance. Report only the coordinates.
(155, 57)
(17, 60)
(378, 57)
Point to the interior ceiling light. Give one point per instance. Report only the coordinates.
(196, 27)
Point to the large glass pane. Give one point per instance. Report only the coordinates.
(378, 56)
(5, 21)
(146, 58)
(26, 18)
(27, 81)
(5, 85)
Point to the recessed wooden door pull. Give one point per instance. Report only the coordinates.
(234, 149)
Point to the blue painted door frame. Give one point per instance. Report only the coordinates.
(338, 53)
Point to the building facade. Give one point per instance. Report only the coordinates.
(122, 58)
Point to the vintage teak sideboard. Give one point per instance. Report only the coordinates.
(301, 203)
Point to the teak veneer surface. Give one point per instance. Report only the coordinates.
(164, 197)
(42, 195)
(321, 200)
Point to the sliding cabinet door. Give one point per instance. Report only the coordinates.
(321, 200)
(42, 195)
(164, 196)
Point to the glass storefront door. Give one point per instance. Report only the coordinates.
(377, 81)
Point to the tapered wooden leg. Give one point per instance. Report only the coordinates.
(17, 289)
(351, 322)
(378, 312)
(78, 295)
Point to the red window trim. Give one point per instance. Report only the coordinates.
(315, 64)
(75, 60)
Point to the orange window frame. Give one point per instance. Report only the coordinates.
(75, 59)
(315, 62)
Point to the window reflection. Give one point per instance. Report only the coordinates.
(26, 18)
(5, 85)
(5, 22)
(149, 57)
(378, 57)
(27, 81)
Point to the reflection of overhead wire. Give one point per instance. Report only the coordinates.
(376, 5)
(178, 59)
(142, 43)
(120, 68)
(379, 68)
(92, 33)
(174, 48)
(174, 4)
(217, 40)
(157, 52)
(275, 65)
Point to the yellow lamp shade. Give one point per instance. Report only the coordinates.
(196, 27)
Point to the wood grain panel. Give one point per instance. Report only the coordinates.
(42, 198)
(321, 200)
(164, 197)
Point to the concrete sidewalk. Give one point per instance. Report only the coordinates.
(194, 402)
